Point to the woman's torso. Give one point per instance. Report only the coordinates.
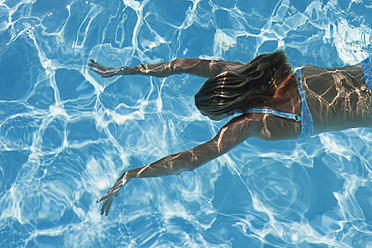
(338, 98)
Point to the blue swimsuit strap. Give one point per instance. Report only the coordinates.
(307, 129)
(306, 118)
(274, 112)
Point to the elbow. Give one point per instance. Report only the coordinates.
(185, 161)
(185, 167)
(190, 167)
(176, 66)
(177, 163)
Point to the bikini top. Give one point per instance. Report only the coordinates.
(305, 118)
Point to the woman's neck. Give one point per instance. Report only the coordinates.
(286, 97)
(286, 88)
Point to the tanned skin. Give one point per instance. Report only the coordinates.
(338, 99)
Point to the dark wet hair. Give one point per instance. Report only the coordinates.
(245, 88)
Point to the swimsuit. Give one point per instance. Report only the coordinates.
(367, 71)
(306, 118)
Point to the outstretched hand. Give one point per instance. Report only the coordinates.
(113, 192)
(106, 72)
(103, 70)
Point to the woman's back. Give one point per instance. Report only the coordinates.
(338, 98)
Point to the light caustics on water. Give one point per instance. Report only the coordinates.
(66, 134)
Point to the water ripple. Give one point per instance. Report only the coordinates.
(66, 135)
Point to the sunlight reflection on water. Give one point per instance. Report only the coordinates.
(66, 134)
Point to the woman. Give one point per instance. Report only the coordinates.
(276, 104)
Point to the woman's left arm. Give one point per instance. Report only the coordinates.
(232, 134)
(196, 67)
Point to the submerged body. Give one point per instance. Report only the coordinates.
(338, 98)
(331, 100)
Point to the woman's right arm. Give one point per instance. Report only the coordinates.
(237, 130)
(232, 134)
(196, 67)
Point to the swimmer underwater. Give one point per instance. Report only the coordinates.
(274, 103)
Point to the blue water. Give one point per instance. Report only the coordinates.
(66, 134)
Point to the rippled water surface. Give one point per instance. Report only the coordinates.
(66, 134)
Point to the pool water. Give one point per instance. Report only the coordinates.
(66, 134)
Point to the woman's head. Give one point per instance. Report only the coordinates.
(245, 88)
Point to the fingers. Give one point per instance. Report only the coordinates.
(109, 73)
(109, 197)
(100, 72)
(103, 208)
(105, 73)
(106, 197)
(112, 192)
(106, 207)
(94, 64)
